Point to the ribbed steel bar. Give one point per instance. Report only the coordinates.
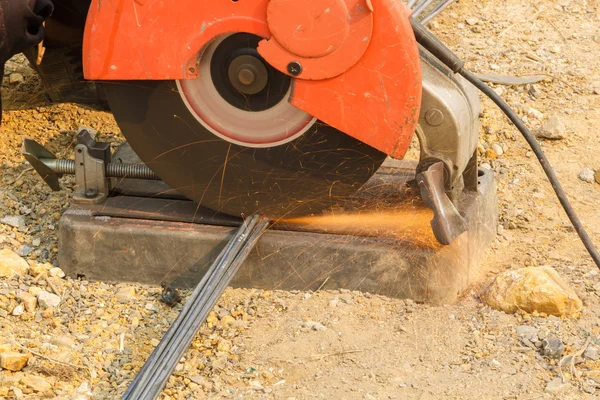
(157, 370)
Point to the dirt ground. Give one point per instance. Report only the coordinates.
(334, 345)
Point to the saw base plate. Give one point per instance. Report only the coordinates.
(137, 236)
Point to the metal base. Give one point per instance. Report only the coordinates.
(149, 240)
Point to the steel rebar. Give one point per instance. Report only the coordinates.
(163, 360)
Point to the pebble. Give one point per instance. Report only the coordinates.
(552, 129)
(18, 310)
(15, 78)
(125, 294)
(37, 383)
(587, 175)
(11, 264)
(56, 272)
(24, 251)
(552, 347)
(16, 221)
(556, 385)
(497, 149)
(472, 21)
(47, 299)
(526, 330)
(315, 326)
(13, 361)
(592, 353)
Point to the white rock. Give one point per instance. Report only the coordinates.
(556, 385)
(16, 221)
(315, 326)
(56, 272)
(47, 299)
(497, 149)
(552, 129)
(18, 310)
(472, 21)
(588, 175)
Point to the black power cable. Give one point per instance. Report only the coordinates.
(452, 61)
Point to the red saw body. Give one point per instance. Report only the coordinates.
(354, 64)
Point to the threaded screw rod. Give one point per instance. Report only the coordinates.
(113, 170)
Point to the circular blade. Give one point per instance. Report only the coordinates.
(319, 169)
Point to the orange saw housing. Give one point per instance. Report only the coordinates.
(355, 63)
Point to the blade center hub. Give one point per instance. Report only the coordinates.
(248, 74)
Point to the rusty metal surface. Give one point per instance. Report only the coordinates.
(147, 251)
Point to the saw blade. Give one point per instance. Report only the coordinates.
(231, 141)
(319, 169)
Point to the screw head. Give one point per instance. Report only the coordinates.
(294, 68)
(91, 193)
(434, 117)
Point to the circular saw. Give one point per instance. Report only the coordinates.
(278, 107)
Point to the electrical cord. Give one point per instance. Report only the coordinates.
(452, 61)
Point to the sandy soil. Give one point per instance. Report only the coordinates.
(371, 347)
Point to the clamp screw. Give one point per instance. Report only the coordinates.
(294, 68)
(91, 193)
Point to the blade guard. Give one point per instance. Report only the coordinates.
(355, 62)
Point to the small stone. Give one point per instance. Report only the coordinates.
(150, 307)
(28, 300)
(47, 299)
(16, 221)
(37, 383)
(556, 385)
(13, 361)
(495, 364)
(587, 175)
(552, 129)
(15, 78)
(498, 149)
(48, 312)
(527, 331)
(63, 341)
(36, 242)
(56, 272)
(346, 298)
(315, 326)
(18, 310)
(11, 264)
(24, 251)
(552, 347)
(125, 294)
(224, 346)
(472, 21)
(592, 353)
(533, 289)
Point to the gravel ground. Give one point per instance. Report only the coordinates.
(90, 340)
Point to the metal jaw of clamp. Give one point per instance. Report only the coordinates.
(92, 168)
